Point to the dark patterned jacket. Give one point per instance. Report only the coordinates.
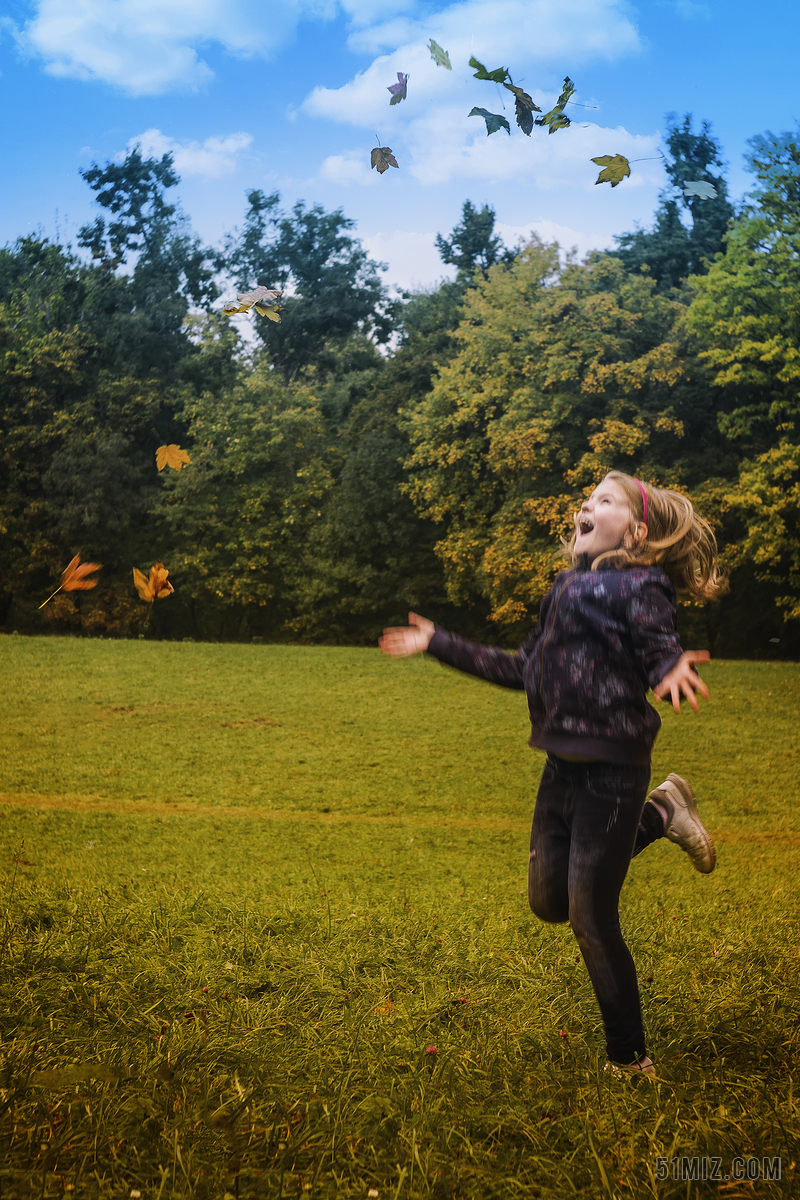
(604, 637)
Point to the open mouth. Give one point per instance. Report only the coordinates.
(585, 525)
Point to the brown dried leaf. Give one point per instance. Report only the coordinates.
(382, 158)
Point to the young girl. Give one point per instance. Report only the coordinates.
(607, 632)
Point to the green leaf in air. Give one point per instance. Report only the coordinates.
(523, 107)
(498, 76)
(566, 93)
(493, 121)
(439, 56)
(615, 168)
(556, 119)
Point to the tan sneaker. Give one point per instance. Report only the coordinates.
(683, 825)
(643, 1067)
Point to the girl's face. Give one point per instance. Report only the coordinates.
(603, 521)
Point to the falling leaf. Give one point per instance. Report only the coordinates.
(615, 168)
(154, 587)
(382, 158)
(556, 118)
(699, 187)
(439, 56)
(566, 92)
(499, 75)
(493, 121)
(260, 298)
(73, 579)
(524, 108)
(399, 90)
(171, 456)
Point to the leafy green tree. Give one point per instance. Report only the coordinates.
(370, 559)
(746, 318)
(144, 312)
(79, 429)
(332, 289)
(238, 519)
(373, 557)
(671, 251)
(473, 245)
(48, 285)
(554, 383)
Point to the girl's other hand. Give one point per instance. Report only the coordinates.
(403, 640)
(683, 681)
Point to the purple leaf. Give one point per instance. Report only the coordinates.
(398, 89)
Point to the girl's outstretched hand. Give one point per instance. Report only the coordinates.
(403, 640)
(683, 681)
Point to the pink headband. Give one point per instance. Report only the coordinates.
(644, 500)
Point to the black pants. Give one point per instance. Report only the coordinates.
(587, 825)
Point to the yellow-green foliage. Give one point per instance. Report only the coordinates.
(555, 383)
(335, 846)
(746, 319)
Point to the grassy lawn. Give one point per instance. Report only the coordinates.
(246, 890)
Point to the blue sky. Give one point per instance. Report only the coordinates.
(289, 95)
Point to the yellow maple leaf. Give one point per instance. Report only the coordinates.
(615, 168)
(171, 456)
(156, 586)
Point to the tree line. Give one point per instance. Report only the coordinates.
(370, 454)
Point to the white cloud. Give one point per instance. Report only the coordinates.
(147, 47)
(414, 262)
(212, 158)
(445, 144)
(516, 33)
(550, 231)
(529, 30)
(352, 167)
(412, 258)
(432, 136)
(364, 12)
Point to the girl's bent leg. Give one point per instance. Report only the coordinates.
(548, 862)
(605, 816)
(651, 828)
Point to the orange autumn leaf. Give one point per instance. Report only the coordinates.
(73, 579)
(171, 456)
(156, 586)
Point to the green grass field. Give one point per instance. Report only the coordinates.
(246, 889)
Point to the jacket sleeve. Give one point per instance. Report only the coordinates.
(653, 622)
(495, 666)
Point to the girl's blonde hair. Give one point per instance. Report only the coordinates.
(678, 540)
